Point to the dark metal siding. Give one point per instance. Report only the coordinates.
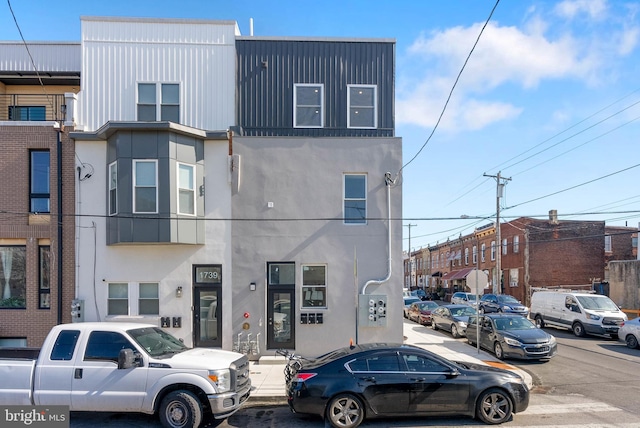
(268, 69)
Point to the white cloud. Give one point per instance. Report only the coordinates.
(594, 9)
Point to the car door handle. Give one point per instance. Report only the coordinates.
(418, 379)
(369, 378)
(77, 374)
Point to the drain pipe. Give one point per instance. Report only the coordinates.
(388, 182)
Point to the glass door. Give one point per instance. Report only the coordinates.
(280, 318)
(207, 310)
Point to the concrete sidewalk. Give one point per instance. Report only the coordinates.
(267, 376)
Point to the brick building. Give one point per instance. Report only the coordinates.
(33, 295)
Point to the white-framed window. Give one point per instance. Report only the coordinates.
(483, 251)
(607, 243)
(516, 244)
(148, 299)
(159, 101)
(493, 250)
(314, 286)
(466, 256)
(355, 199)
(475, 255)
(505, 245)
(363, 106)
(308, 102)
(186, 189)
(132, 298)
(118, 298)
(113, 188)
(145, 186)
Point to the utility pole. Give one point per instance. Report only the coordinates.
(409, 253)
(497, 285)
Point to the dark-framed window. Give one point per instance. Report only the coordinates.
(44, 290)
(39, 181)
(314, 286)
(27, 113)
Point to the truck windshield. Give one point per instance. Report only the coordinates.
(157, 342)
(597, 303)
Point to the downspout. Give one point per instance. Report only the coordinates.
(59, 258)
(388, 182)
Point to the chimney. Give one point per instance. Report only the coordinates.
(553, 216)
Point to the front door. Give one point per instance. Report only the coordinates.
(280, 318)
(207, 306)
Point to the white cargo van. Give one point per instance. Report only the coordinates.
(582, 313)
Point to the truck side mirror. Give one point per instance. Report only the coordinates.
(126, 359)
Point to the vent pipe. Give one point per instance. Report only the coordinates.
(251, 27)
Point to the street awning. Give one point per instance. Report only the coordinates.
(457, 274)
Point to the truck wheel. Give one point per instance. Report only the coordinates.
(539, 321)
(180, 409)
(578, 329)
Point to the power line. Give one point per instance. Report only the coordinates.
(455, 83)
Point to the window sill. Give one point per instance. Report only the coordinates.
(35, 219)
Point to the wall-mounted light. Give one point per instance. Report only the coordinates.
(179, 291)
(252, 286)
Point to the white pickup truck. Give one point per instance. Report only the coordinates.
(127, 367)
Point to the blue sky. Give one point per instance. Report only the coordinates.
(549, 97)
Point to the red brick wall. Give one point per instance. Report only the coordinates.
(15, 143)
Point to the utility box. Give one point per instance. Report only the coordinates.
(372, 310)
(77, 310)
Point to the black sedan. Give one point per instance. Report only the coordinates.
(373, 380)
(511, 336)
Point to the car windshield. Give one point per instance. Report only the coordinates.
(505, 298)
(410, 300)
(471, 297)
(514, 323)
(597, 303)
(157, 342)
(463, 312)
(428, 306)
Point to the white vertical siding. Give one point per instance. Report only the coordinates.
(119, 53)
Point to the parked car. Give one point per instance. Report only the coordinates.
(463, 298)
(452, 318)
(351, 384)
(630, 333)
(502, 303)
(420, 312)
(407, 302)
(582, 313)
(419, 293)
(511, 336)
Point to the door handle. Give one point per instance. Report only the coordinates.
(77, 374)
(369, 378)
(418, 379)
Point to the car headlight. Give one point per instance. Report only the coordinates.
(552, 341)
(221, 379)
(512, 342)
(462, 324)
(506, 308)
(592, 316)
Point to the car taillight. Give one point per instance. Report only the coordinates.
(301, 377)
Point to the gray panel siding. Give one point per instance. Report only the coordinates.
(265, 93)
